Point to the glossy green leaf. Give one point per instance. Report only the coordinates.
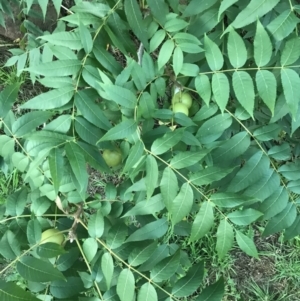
(85, 102)
(280, 152)
(141, 253)
(267, 132)
(60, 124)
(177, 60)
(265, 186)
(188, 284)
(213, 292)
(136, 22)
(121, 130)
(121, 96)
(282, 220)
(86, 38)
(163, 144)
(151, 175)
(165, 53)
(126, 285)
(225, 4)
(213, 128)
(69, 39)
(134, 155)
(34, 232)
(9, 291)
(232, 149)
(267, 87)
(246, 244)
(50, 250)
(203, 222)
(291, 51)
(65, 261)
(152, 230)
(168, 187)
(96, 224)
(33, 269)
(209, 175)
(151, 206)
(147, 292)
(262, 46)
(220, 89)
(293, 230)
(166, 268)
(107, 266)
(213, 54)
(283, 25)
(62, 289)
(244, 90)
(29, 122)
(106, 59)
(290, 83)
(231, 200)
(252, 171)
(9, 246)
(237, 51)
(159, 10)
(182, 204)
(203, 88)
(253, 11)
(56, 68)
(7, 97)
(20, 161)
(188, 158)
(275, 203)
(78, 165)
(225, 238)
(175, 24)
(56, 161)
(195, 7)
(89, 248)
(116, 235)
(244, 217)
(206, 112)
(157, 39)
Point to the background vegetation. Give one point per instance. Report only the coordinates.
(201, 206)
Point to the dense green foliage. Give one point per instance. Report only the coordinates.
(111, 69)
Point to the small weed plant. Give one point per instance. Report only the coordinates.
(188, 111)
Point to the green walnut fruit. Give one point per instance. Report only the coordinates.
(112, 157)
(52, 235)
(184, 98)
(180, 108)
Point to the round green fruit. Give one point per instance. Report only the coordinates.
(180, 108)
(184, 98)
(52, 235)
(112, 157)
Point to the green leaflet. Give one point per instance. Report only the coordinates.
(267, 87)
(290, 52)
(283, 25)
(244, 90)
(213, 292)
(15, 292)
(282, 220)
(236, 48)
(136, 22)
(254, 10)
(220, 89)
(225, 238)
(290, 81)
(246, 244)
(262, 46)
(126, 285)
(213, 54)
(203, 222)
